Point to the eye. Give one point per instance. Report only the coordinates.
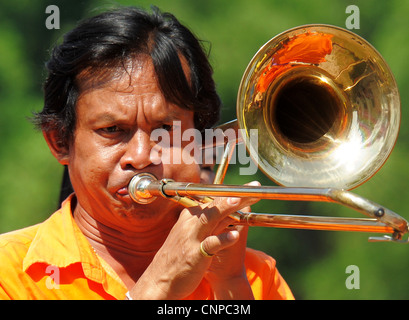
(112, 129)
(167, 127)
(111, 132)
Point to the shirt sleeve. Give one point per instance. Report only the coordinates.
(264, 278)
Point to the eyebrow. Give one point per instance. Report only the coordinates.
(104, 117)
(172, 115)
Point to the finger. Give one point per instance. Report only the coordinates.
(226, 223)
(242, 202)
(213, 244)
(224, 206)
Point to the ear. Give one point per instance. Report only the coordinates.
(58, 149)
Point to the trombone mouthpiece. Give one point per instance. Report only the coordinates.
(137, 188)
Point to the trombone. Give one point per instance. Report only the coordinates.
(326, 109)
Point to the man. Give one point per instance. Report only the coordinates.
(114, 80)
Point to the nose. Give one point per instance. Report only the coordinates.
(138, 153)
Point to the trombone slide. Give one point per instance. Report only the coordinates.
(144, 188)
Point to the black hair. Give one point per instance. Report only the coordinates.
(110, 40)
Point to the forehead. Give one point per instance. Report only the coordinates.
(122, 77)
(134, 68)
(128, 89)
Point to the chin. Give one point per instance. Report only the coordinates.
(159, 210)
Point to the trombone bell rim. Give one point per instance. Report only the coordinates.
(356, 88)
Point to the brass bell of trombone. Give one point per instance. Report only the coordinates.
(326, 109)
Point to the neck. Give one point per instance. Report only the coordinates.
(127, 248)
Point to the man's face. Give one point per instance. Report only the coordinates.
(112, 142)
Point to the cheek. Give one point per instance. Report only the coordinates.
(89, 162)
(179, 165)
(184, 161)
(186, 173)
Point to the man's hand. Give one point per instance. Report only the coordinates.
(179, 266)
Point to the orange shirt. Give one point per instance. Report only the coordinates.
(54, 260)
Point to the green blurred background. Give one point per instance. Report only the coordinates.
(313, 262)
